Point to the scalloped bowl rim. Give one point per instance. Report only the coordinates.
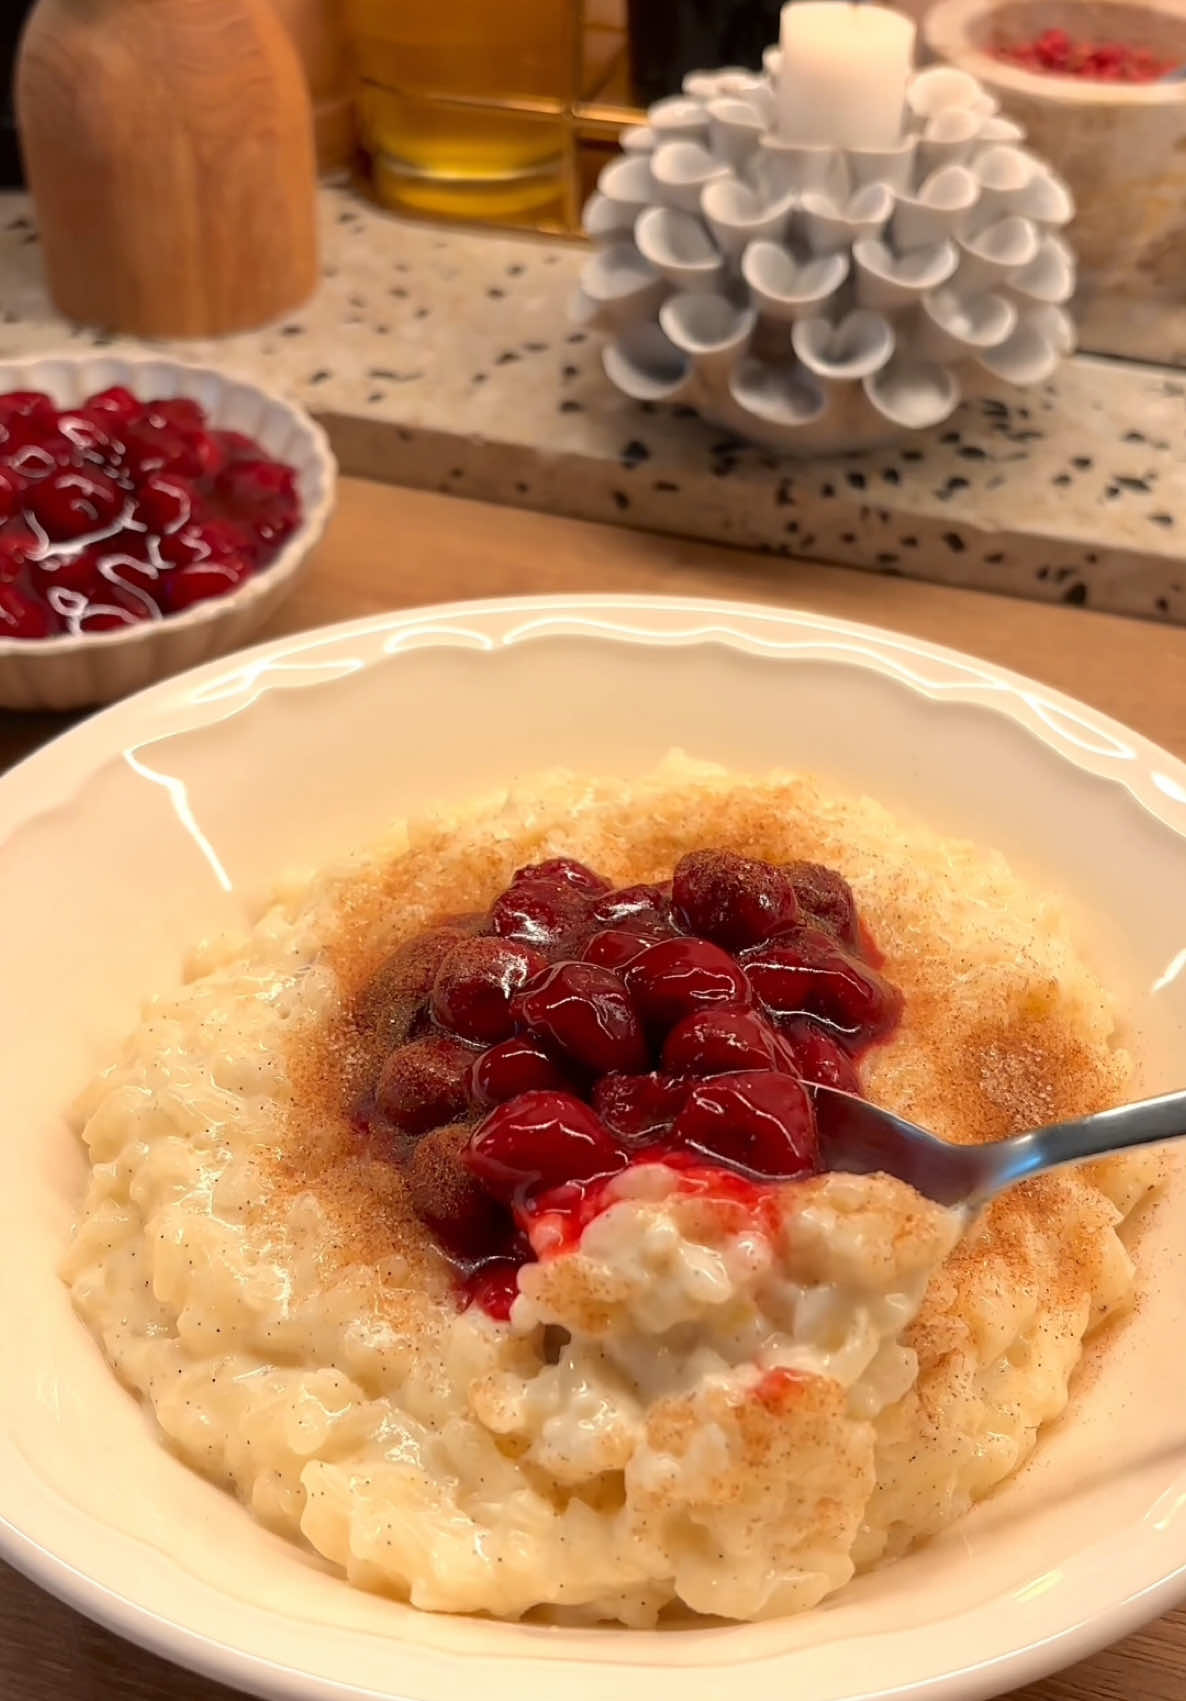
(1135, 792)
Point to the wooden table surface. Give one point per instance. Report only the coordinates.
(389, 548)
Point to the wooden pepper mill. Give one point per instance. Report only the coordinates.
(168, 145)
(318, 31)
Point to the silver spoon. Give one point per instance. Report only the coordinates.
(861, 1138)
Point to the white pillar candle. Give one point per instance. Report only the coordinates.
(843, 74)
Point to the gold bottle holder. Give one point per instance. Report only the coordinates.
(515, 161)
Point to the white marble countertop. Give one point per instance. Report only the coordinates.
(444, 359)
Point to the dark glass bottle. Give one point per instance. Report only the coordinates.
(669, 40)
(12, 20)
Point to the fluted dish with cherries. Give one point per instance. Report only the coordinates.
(151, 515)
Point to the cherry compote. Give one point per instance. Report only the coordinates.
(122, 511)
(576, 1029)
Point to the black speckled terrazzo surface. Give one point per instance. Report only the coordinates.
(444, 359)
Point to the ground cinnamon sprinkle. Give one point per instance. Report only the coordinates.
(977, 1057)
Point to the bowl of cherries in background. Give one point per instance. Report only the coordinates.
(152, 515)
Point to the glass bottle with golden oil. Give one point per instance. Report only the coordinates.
(464, 102)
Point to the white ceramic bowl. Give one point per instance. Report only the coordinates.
(172, 814)
(72, 672)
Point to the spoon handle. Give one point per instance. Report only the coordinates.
(1141, 1124)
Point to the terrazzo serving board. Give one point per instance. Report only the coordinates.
(444, 359)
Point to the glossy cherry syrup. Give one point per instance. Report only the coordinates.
(574, 1031)
(122, 511)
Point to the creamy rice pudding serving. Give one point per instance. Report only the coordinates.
(466, 1216)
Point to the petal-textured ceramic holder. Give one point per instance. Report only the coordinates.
(816, 298)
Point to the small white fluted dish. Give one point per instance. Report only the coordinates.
(77, 671)
(948, 234)
(170, 817)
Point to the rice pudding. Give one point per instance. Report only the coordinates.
(471, 1228)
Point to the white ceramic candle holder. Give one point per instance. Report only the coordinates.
(817, 298)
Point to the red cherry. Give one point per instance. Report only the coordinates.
(721, 1042)
(117, 567)
(91, 438)
(133, 541)
(272, 535)
(236, 446)
(614, 947)
(1055, 46)
(165, 502)
(78, 572)
(539, 912)
(646, 906)
(161, 449)
(562, 871)
(676, 976)
(178, 412)
(826, 901)
(474, 986)
(23, 615)
(180, 423)
(186, 586)
(118, 403)
(786, 973)
(11, 486)
(806, 973)
(759, 1122)
(819, 1056)
(209, 453)
(208, 541)
(734, 900)
(422, 1085)
(68, 605)
(537, 1141)
(248, 487)
(35, 461)
(517, 1065)
(26, 404)
(468, 1222)
(73, 503)
(494, 1289)
(25, 415)
(114, 607)
(261, 494)
(394, 997)
(106, 617)
(586, 1013)
(17, 549)
(638, 1107)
